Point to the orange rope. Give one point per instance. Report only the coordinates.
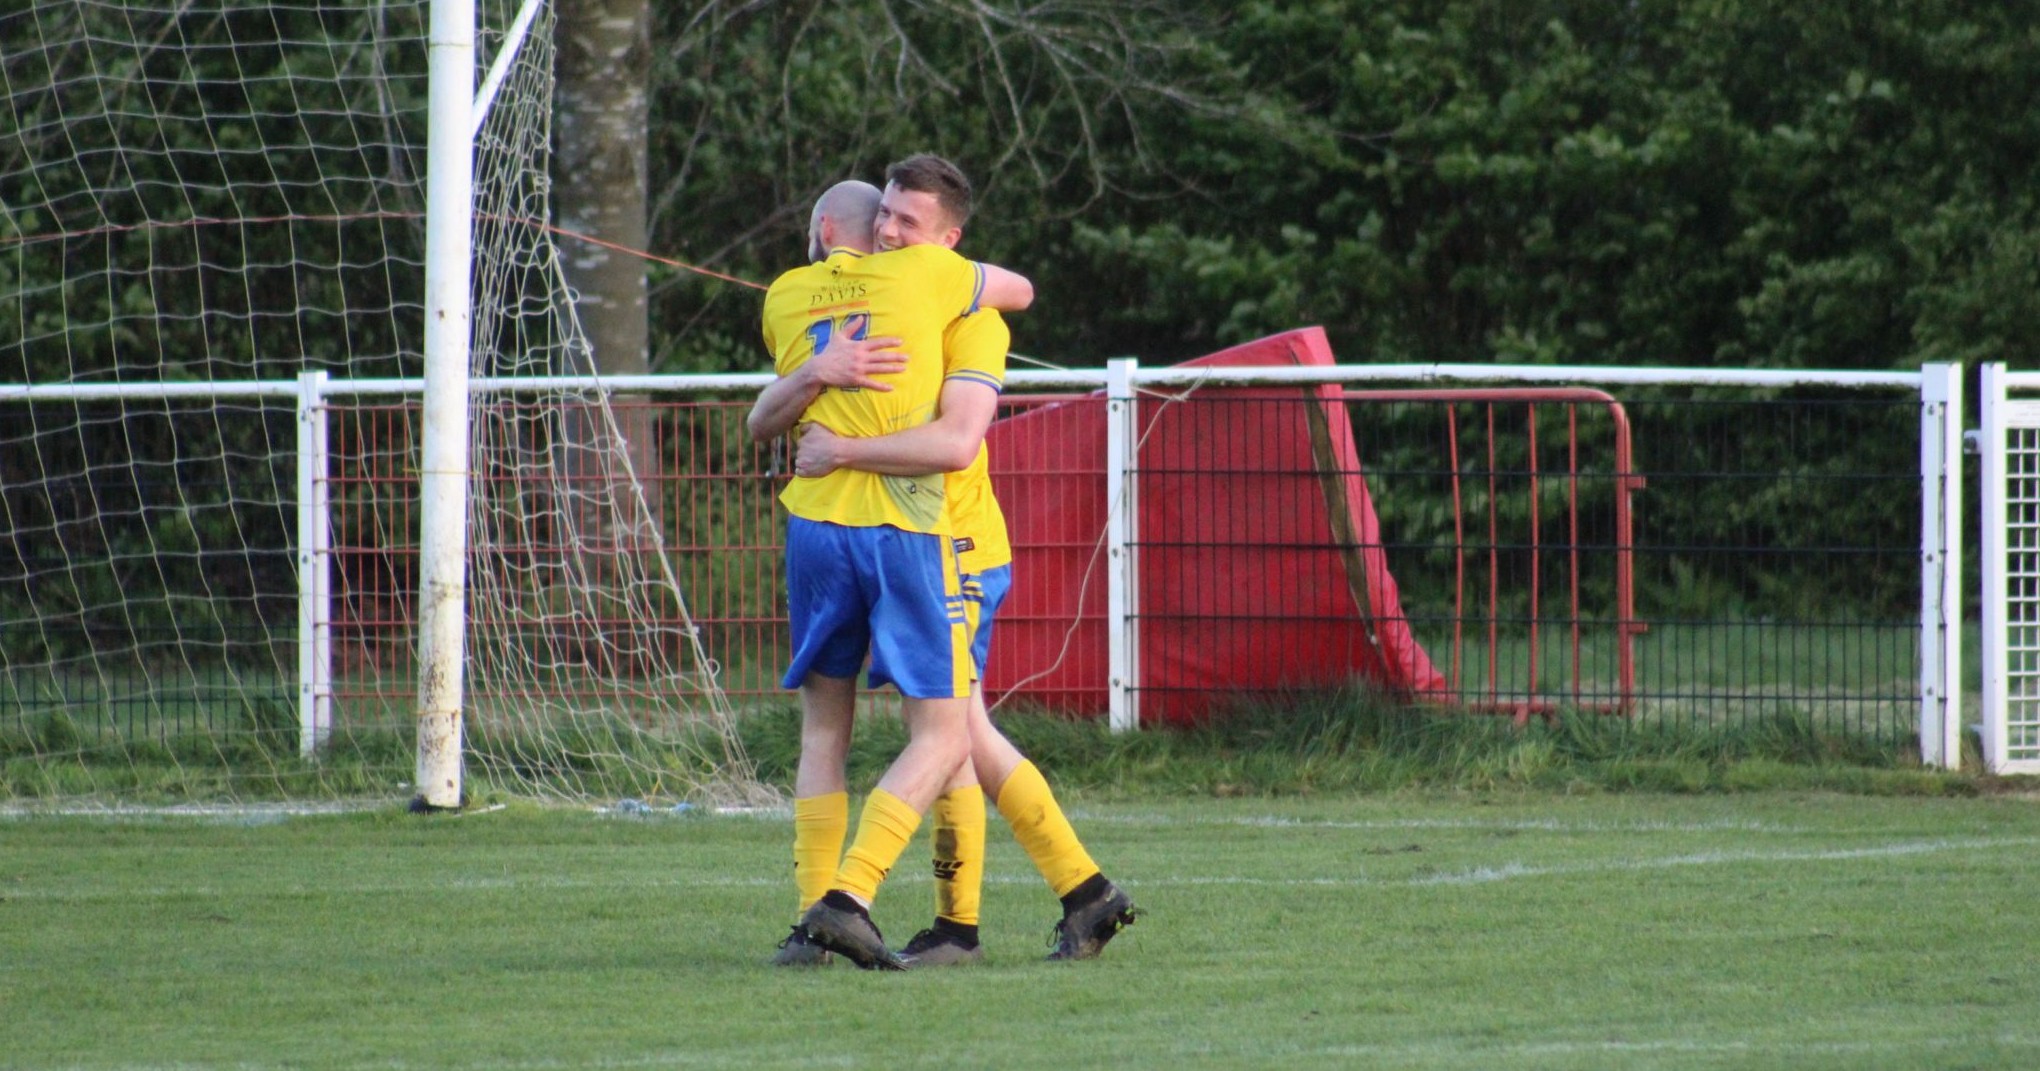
(668, 261)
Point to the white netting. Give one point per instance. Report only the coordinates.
(583, 651)
(233, 194)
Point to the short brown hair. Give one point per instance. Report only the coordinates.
(927, 173)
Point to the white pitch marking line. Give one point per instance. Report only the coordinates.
(1550, 825)
(1509, 871)
(1477, 876)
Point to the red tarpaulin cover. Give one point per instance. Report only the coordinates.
(1247, 584)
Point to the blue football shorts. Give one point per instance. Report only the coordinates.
(881, 591)
(983, 594)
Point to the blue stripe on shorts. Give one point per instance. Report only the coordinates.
(984, 593)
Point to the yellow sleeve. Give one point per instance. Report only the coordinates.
(974, 348)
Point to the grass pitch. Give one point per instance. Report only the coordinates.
(1426, 930)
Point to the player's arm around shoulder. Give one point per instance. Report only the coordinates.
(1006, 290)
(948, 443)
(848, 363)
(781, 403)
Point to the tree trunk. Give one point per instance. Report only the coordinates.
(605, 49)
(601, 120)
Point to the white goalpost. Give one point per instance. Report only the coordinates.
(443, 470)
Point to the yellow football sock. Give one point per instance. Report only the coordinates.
(959, 854)
(1038, 824)
(883, 831)
(819, 825)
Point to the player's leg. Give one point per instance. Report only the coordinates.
(958, 840)
(918, 644)
(821, 799)
(821, 804)
(830, 636)
(1094, 909)
(958, 836)
(937, 743)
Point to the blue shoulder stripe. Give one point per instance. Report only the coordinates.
(972, 375)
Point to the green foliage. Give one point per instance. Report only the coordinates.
(189, 195)
(188, 523)
(1739, 183)
(1062, 114)
(1748, 182)
(228, 198)
(1813, 519)
(265, 732)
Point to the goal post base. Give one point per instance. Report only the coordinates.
(420, 805)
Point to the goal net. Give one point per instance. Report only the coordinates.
(199, 204)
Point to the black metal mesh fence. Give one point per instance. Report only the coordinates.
(1699, 557)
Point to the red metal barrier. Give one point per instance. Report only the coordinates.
(1628, 482)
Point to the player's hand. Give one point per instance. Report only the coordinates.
(856, 362)
(820, 452)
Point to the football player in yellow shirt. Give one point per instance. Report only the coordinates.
(870, 562)
(916, 210)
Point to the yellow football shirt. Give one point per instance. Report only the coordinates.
(913, 294)
(974, 348)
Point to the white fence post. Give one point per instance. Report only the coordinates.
(1991, 450)
(1941, 565)
(1122, 534)
(314, 565)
